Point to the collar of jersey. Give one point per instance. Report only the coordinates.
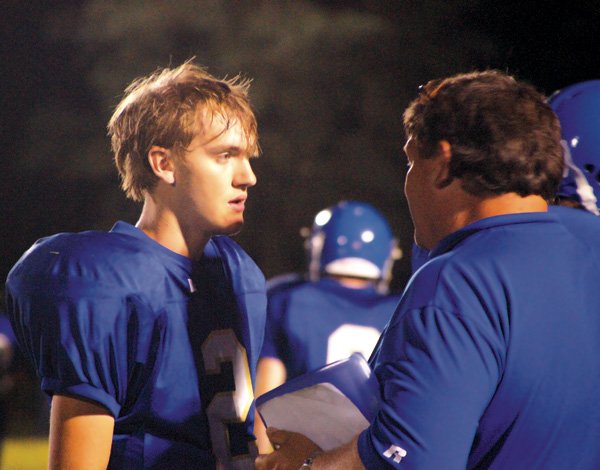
(450, 241)
(128, 229)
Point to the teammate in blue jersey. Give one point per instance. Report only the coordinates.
(578, 109)
(343, 305)
(146, 337)
(578, 203)
(492, 359)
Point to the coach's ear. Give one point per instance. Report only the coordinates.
(443, 177)
(161, 162)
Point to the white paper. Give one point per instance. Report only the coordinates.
(320, 412)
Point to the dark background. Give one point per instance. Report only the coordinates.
(331, 80)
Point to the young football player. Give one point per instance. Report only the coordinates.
(146, 337)
(492, 359)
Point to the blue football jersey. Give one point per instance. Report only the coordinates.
(311, 324)
(168, 345)
(492, 359)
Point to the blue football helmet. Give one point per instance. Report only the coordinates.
(578, 109)
(352, 239)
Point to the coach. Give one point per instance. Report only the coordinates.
(492, 358)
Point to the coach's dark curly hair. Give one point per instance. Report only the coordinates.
(504, 136)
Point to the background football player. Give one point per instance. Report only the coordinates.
(578, 109)
(343, 305)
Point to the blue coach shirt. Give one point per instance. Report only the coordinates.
(167, 345)
(492, 359)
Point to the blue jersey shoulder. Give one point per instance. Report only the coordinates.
(283, 282)
(94, 259)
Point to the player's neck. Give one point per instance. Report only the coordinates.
(165, 228)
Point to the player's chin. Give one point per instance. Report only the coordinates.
(232, 228)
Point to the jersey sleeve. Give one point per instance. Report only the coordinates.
(76, 330)
(437, 370)
(273, 335)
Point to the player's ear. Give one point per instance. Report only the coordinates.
(161, 162)
(443, 176)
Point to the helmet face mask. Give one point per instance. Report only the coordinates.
(351, 239)
(578, 109)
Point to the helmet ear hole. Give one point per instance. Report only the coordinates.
(589, 167)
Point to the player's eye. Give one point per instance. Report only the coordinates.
(223, 157)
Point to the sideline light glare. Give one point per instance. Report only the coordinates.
(323, 217)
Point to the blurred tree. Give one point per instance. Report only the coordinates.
(330, 85)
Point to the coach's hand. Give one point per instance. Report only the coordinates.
(291, 448)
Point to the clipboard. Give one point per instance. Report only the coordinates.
(330, 405)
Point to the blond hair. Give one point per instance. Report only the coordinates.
(162, 110)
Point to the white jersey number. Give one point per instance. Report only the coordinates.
(220, 347)
(348, 339)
